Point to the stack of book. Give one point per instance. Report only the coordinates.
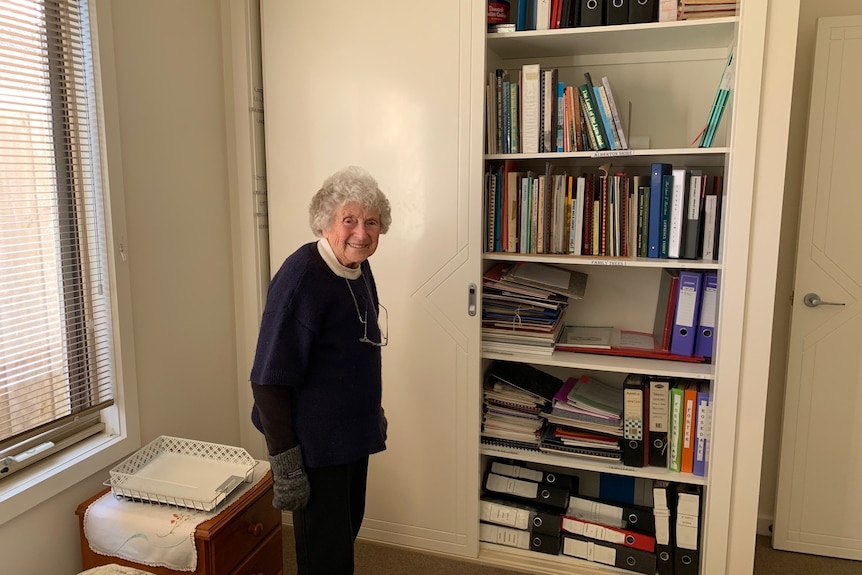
(523, 306)
(510, 415)
(585, 419)
(691, 9)
(514, 396)
(531, 111)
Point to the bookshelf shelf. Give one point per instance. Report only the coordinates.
(611, 363)
(566, 462)
(705, 157)
(623, 39)
(558, 259)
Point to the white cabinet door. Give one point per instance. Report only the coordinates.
(819, 502)
(389, 86)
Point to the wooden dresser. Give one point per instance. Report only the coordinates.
(244, 539)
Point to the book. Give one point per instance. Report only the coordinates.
(687, 312)
(657, 171)
(704, 340)
(605, 115)
(548, 142)
(543, 14)
(618, 125)
(569, 283)
(689, 426)
(560, 125)
(596, 397)
(512, 203)
(711, 219)
(643, 201)
(666, 308)
(491, 114)
(703, 430)
(515, 114)
(668, 10)
(677, 416)
(719, 103)
(635, 425)
(530, 101)
(562, 413)
(659, 420)
(664, 215)
(540, 385)
(676, 219)
(524, 20)
(691, 247)
(591, 113)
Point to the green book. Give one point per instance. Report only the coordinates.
(677, 415)
(592, 117)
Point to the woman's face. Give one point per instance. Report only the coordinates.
(353, 234)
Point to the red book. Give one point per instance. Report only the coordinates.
(557, 13)
(666, 308)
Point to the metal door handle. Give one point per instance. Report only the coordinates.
(813, 300)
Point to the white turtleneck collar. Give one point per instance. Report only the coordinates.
(329, 257)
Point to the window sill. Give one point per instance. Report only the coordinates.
(45, 479)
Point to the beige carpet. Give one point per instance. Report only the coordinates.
(376, 559)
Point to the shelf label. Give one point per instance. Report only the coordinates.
(608, 263)
(612, 153)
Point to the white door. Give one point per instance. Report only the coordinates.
(389, 86)
(819, 498)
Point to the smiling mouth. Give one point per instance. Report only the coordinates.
(358, 246)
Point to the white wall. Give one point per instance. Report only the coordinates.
(171, 126)
(809, 11)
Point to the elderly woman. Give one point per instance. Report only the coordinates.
(316, 377)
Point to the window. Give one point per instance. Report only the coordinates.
(55, 325)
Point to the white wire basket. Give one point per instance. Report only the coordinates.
(182, 472)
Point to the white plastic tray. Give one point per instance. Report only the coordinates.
(182, 472)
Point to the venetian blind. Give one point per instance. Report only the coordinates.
(55, 352)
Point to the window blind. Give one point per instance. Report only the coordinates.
(55, 325)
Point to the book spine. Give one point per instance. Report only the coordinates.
(664, 215)
(490, 202)
(498, 93)
(618, 125)
(514, 110)
(604, 115)
(657, 171)
(643, 220)
(530, 110)
(561, 117)
(591, 115)
(677, 214)
(677, 400)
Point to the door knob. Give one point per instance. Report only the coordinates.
(813, 300)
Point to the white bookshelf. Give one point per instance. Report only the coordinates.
(669, 73)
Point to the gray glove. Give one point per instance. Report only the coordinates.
(290, 483)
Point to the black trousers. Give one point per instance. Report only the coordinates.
(325, 530)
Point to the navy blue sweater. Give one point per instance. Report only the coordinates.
(309, 341)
